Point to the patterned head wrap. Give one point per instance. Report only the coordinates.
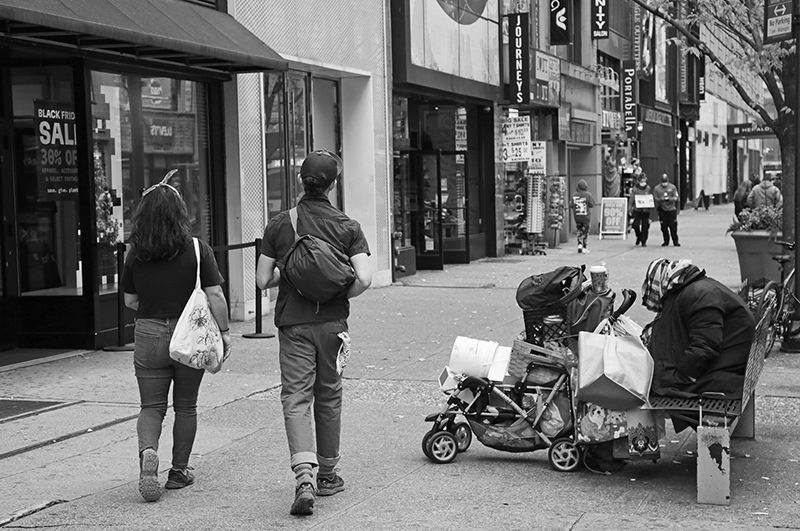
(663, 276)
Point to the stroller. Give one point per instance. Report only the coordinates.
(530, 406)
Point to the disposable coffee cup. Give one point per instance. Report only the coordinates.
(599, 276)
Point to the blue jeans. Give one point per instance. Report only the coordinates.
(156, 372)
(309, 379)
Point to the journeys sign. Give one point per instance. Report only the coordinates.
(56, 151)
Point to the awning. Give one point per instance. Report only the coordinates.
(168, 32)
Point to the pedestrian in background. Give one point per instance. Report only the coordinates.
(741, 195)
(665, 196)
(765, 194)
(640, 204)
(581, 204)
(158, 278)
(311, 335)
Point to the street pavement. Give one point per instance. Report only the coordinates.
(75, 466)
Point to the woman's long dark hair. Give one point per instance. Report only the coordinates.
(161, 226)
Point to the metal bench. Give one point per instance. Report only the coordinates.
(717, 419)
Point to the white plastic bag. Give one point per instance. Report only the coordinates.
(196, 341)
(615, 371)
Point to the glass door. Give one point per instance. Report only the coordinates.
(8, 246)
(455, 206)
(421, 170)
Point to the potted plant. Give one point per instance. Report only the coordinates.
(754, 231)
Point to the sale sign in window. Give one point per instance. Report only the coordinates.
(56, 151)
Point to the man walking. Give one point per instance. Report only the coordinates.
(765, 194)
(313, 337)
(666, 199)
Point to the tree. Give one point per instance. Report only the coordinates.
(774, 64)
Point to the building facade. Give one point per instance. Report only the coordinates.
(99, 101)
(334, 96)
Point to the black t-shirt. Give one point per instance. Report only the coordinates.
(315, 215)
(164, 286)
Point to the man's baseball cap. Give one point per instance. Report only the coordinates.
(323, 166)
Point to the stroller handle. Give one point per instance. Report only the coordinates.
(628, 298)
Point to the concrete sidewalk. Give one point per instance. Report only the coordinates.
(74, 466)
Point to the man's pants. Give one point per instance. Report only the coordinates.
(641, 226)
(669, 225)
(309, 380)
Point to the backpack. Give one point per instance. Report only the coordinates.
(316, 269)
(555, 288)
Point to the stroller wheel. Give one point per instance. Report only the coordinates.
(425, 443)
(564, 455)
(442, 447)
(463, 435)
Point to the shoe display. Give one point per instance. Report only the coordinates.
(329, 487)
(178, 479)
(304, 499)
(149, 487)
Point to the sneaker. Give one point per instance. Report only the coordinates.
(665, 244)
(149, 487)
(178, 479)
(329, 487)
(676, 244)
(644, 244)
(586, 251)
(580, 248)
(304, 499)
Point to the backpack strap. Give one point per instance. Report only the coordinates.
(293, 219)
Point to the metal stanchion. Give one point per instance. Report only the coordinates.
(120, 346)
(258, 334)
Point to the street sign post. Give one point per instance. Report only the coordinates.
(778, 20)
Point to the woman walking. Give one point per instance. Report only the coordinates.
(157, 281)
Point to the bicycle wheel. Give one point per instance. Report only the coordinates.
(787, 309)
(770, 295)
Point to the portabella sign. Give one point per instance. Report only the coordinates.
(629, 99)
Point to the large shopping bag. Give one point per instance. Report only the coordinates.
(614, 371)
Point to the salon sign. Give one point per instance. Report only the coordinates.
(56, 151)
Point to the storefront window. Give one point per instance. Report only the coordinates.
(274, 142)
(294, 103)
(143, 127)
(46, 181)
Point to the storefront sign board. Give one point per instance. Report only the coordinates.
(56, 151)
(614, 217)
(516, 139)
(538, 164)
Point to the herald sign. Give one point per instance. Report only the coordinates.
(599, 19)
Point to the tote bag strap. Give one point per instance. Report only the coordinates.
(197, 255)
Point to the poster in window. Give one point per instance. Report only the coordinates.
(56, 151)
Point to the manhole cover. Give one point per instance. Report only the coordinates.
(12, 408)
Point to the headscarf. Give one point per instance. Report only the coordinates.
(662, 277)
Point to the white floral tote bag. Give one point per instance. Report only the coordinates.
(196, 341)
